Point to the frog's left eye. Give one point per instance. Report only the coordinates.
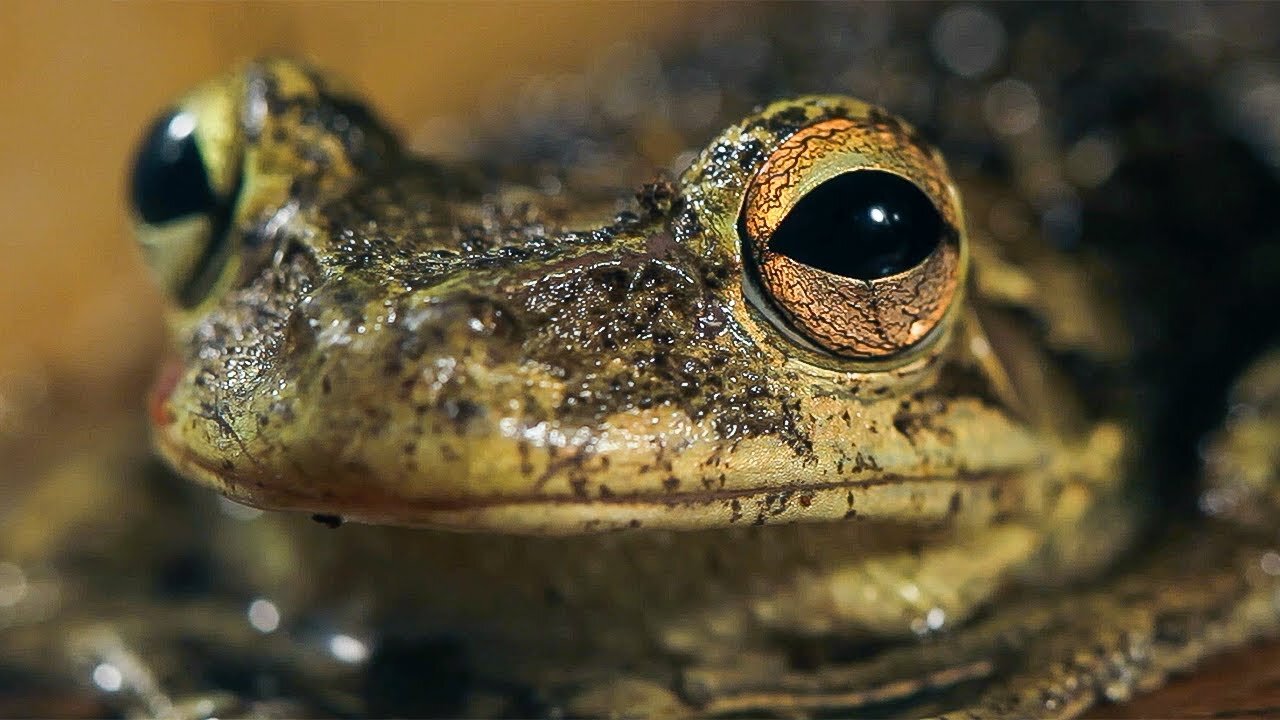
(853, 235)
(169, 179)
(181, 202)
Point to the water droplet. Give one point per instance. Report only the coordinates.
(1091, 161)
(348, 649)
(909, 592)
(108, 677)
(13, 584)
(264, 616)
(935, 618)
(1271, 562)
(919, 627)
(968, 40)
(1011, 107)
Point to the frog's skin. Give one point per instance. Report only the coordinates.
(658, 474)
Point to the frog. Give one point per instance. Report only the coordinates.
(789, 434)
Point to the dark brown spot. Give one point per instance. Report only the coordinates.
(862, 462)
(655, 198)
(524, 451)
(329, 521)
(904, 422)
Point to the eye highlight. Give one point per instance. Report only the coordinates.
(852, 234)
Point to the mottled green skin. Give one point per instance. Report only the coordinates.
(395, 342)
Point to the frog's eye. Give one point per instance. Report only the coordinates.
(169, 180)
(853, 236)
(180, 214)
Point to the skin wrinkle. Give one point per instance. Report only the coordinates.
(211, 413)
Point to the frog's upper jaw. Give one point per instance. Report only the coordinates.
(654, 468)
(612, 385)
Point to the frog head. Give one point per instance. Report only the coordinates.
(239, 150)
(788, 332)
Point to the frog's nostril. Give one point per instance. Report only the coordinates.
(455, 323)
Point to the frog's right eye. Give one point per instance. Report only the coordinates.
(181, 216)
(854, 240)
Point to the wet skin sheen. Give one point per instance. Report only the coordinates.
(785, 400)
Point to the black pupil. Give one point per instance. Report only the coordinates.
(865, 224)
(169, 180)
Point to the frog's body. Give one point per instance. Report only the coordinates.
(661, 471)
(397, 347)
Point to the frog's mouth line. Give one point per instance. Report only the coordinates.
(968, 497)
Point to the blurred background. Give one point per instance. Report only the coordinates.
(1146, 133)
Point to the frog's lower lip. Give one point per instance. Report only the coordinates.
(913, 500)
(964, 499)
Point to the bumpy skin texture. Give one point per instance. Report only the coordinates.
(398, 342)
(414, 350)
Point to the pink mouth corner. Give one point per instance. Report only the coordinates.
(158, 399)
